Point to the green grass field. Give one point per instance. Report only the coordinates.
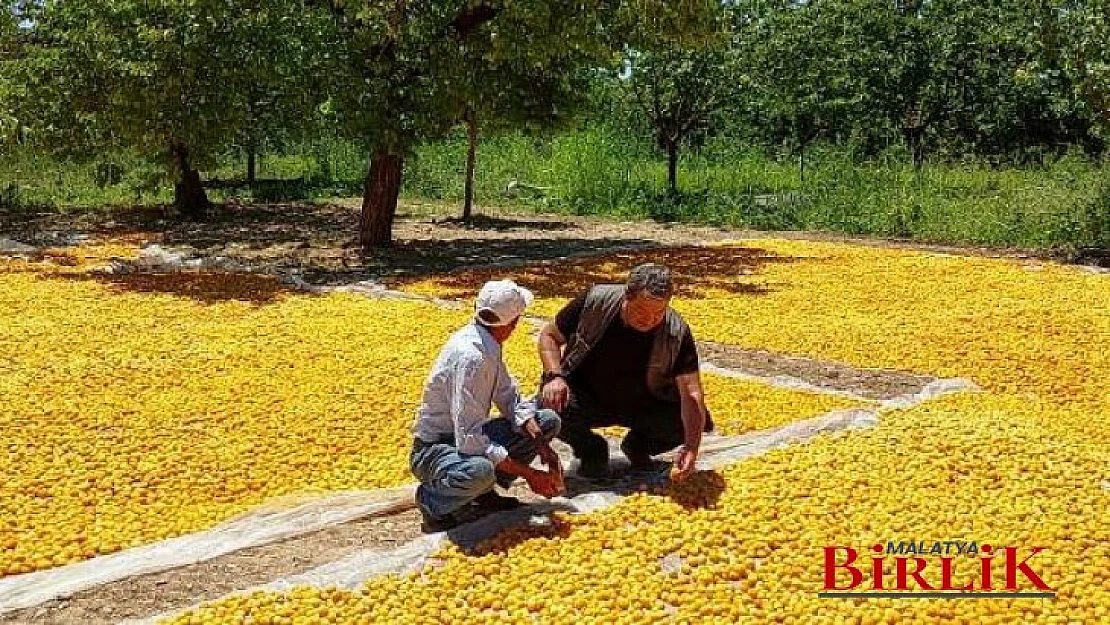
(1060, 206)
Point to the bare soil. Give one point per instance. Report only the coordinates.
(878, 384)
(316, 240)
(150, 595)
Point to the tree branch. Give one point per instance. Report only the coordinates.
(334, 7)
(472, 18)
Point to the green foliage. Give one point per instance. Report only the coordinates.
(906, 116)
(947, 78)
(682, 95)
(9, 89)
(1090, 228)
(410, 70)
(1082, 42)
(601, 171)
(203, 75)
(283, 77)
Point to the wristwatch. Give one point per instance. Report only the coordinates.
(548, 376)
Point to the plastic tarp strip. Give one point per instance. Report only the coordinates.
(266, 524)
(352, 571)
(932, 390)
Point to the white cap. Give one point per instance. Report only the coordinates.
(501, 301)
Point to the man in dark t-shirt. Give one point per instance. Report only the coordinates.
(629, 360)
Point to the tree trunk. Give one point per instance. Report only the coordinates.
(471, 156)
(188, 193)
(913, 130)
(379, 200)
(672, 168)
(912, 136)
(918, 151)
(252, 167)
(802, 161)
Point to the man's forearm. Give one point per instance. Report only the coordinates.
(551, 352)
(512, 467)
(693, 422)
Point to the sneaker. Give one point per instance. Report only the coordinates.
(434, 524)
(593, 469)
(492, 501)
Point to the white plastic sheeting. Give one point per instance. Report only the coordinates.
(159, 259)
(731, 449)
(267, 524)
(932, 390)
(354, 570)
(371, 289)
(11, 246)
(156, 257)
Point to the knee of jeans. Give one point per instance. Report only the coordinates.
(482, 473)
(550, 423)
(416, 466)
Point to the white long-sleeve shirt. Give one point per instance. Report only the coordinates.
(467, 378)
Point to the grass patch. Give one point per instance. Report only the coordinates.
(1061, 206)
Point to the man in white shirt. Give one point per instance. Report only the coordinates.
(459, 453)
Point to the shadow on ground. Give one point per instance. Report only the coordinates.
(557, 257)
(698, 271)
(500, 532)
(501, 224)
(204, 287)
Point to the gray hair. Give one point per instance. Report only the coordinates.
(650, 279)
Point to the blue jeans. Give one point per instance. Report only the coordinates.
(449, 480)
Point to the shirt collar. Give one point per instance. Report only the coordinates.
(486, 337)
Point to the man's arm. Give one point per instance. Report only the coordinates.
(522, 413)
(555, 394)
(473, 378)
(506, 396)
(551, 346)
(692, 401)
(471, 387)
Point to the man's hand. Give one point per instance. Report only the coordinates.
(543, 483)
(556, 394)
(549, 458)
(532, 429)
(554, 466)
(684, 463)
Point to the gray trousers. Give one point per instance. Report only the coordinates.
(450, 480)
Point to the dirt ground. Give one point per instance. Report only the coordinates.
(315, 242)
(149, 595)
(878, 384)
